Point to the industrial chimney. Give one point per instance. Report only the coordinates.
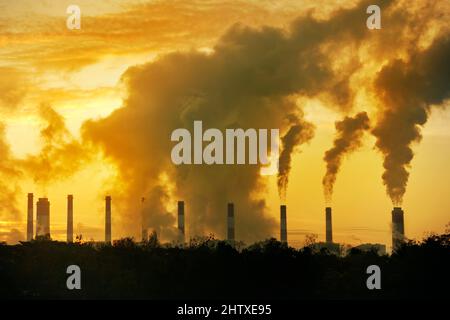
(108, 219)
(70, 218)
(181, 222)
(230, 222)
(329, 228)
(30, 217)
(398, 228)
(143, 221)
(283, 224)
(43, 217)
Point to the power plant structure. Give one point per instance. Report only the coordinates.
(181, 234)
(43, 217)
(144, 229)
(43, 223)
(230, 222)
(328, 227)
(70, 218)
(283, 224)
(398, 228)
(108, 219)
(30, 217)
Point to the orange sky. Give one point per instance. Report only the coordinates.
(78, 72)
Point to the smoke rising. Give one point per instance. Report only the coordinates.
(9, 176)
(156, 216)
(299, 132)
(251, 79)
(408, 90)
(61, 154)
(13, 88)
(349, 134)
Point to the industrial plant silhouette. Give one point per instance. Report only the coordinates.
(208, 268)
(43, 225)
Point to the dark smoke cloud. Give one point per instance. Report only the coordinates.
(61, 155)
(13, 88)
(9, 178)
(251, 80)
(408, 90)
(156, 215)
(300, 131)
(349, 134)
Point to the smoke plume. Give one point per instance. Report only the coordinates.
(13, 88)
(408, 89)
(299, 132)
(9, 176)
(61, 154)
(349, 133)
(251, 79)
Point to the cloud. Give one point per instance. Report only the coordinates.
(13, 87)
(157, 26)
(61, 155)
(251, 79)
(408, 89)
(9, 177)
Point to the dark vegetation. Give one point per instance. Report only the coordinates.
(207, 268)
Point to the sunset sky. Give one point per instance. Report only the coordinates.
(89, 112)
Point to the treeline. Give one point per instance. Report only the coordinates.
(210, 269)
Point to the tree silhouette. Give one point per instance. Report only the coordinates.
(209, 268)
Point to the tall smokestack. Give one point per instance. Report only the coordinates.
(30, 217)
(108, 219)
(329, 227)
(398, 228)
(230, 222)
(181, 221)
(43, 217)
(143, 221)
(70, 218)
(283, 224)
